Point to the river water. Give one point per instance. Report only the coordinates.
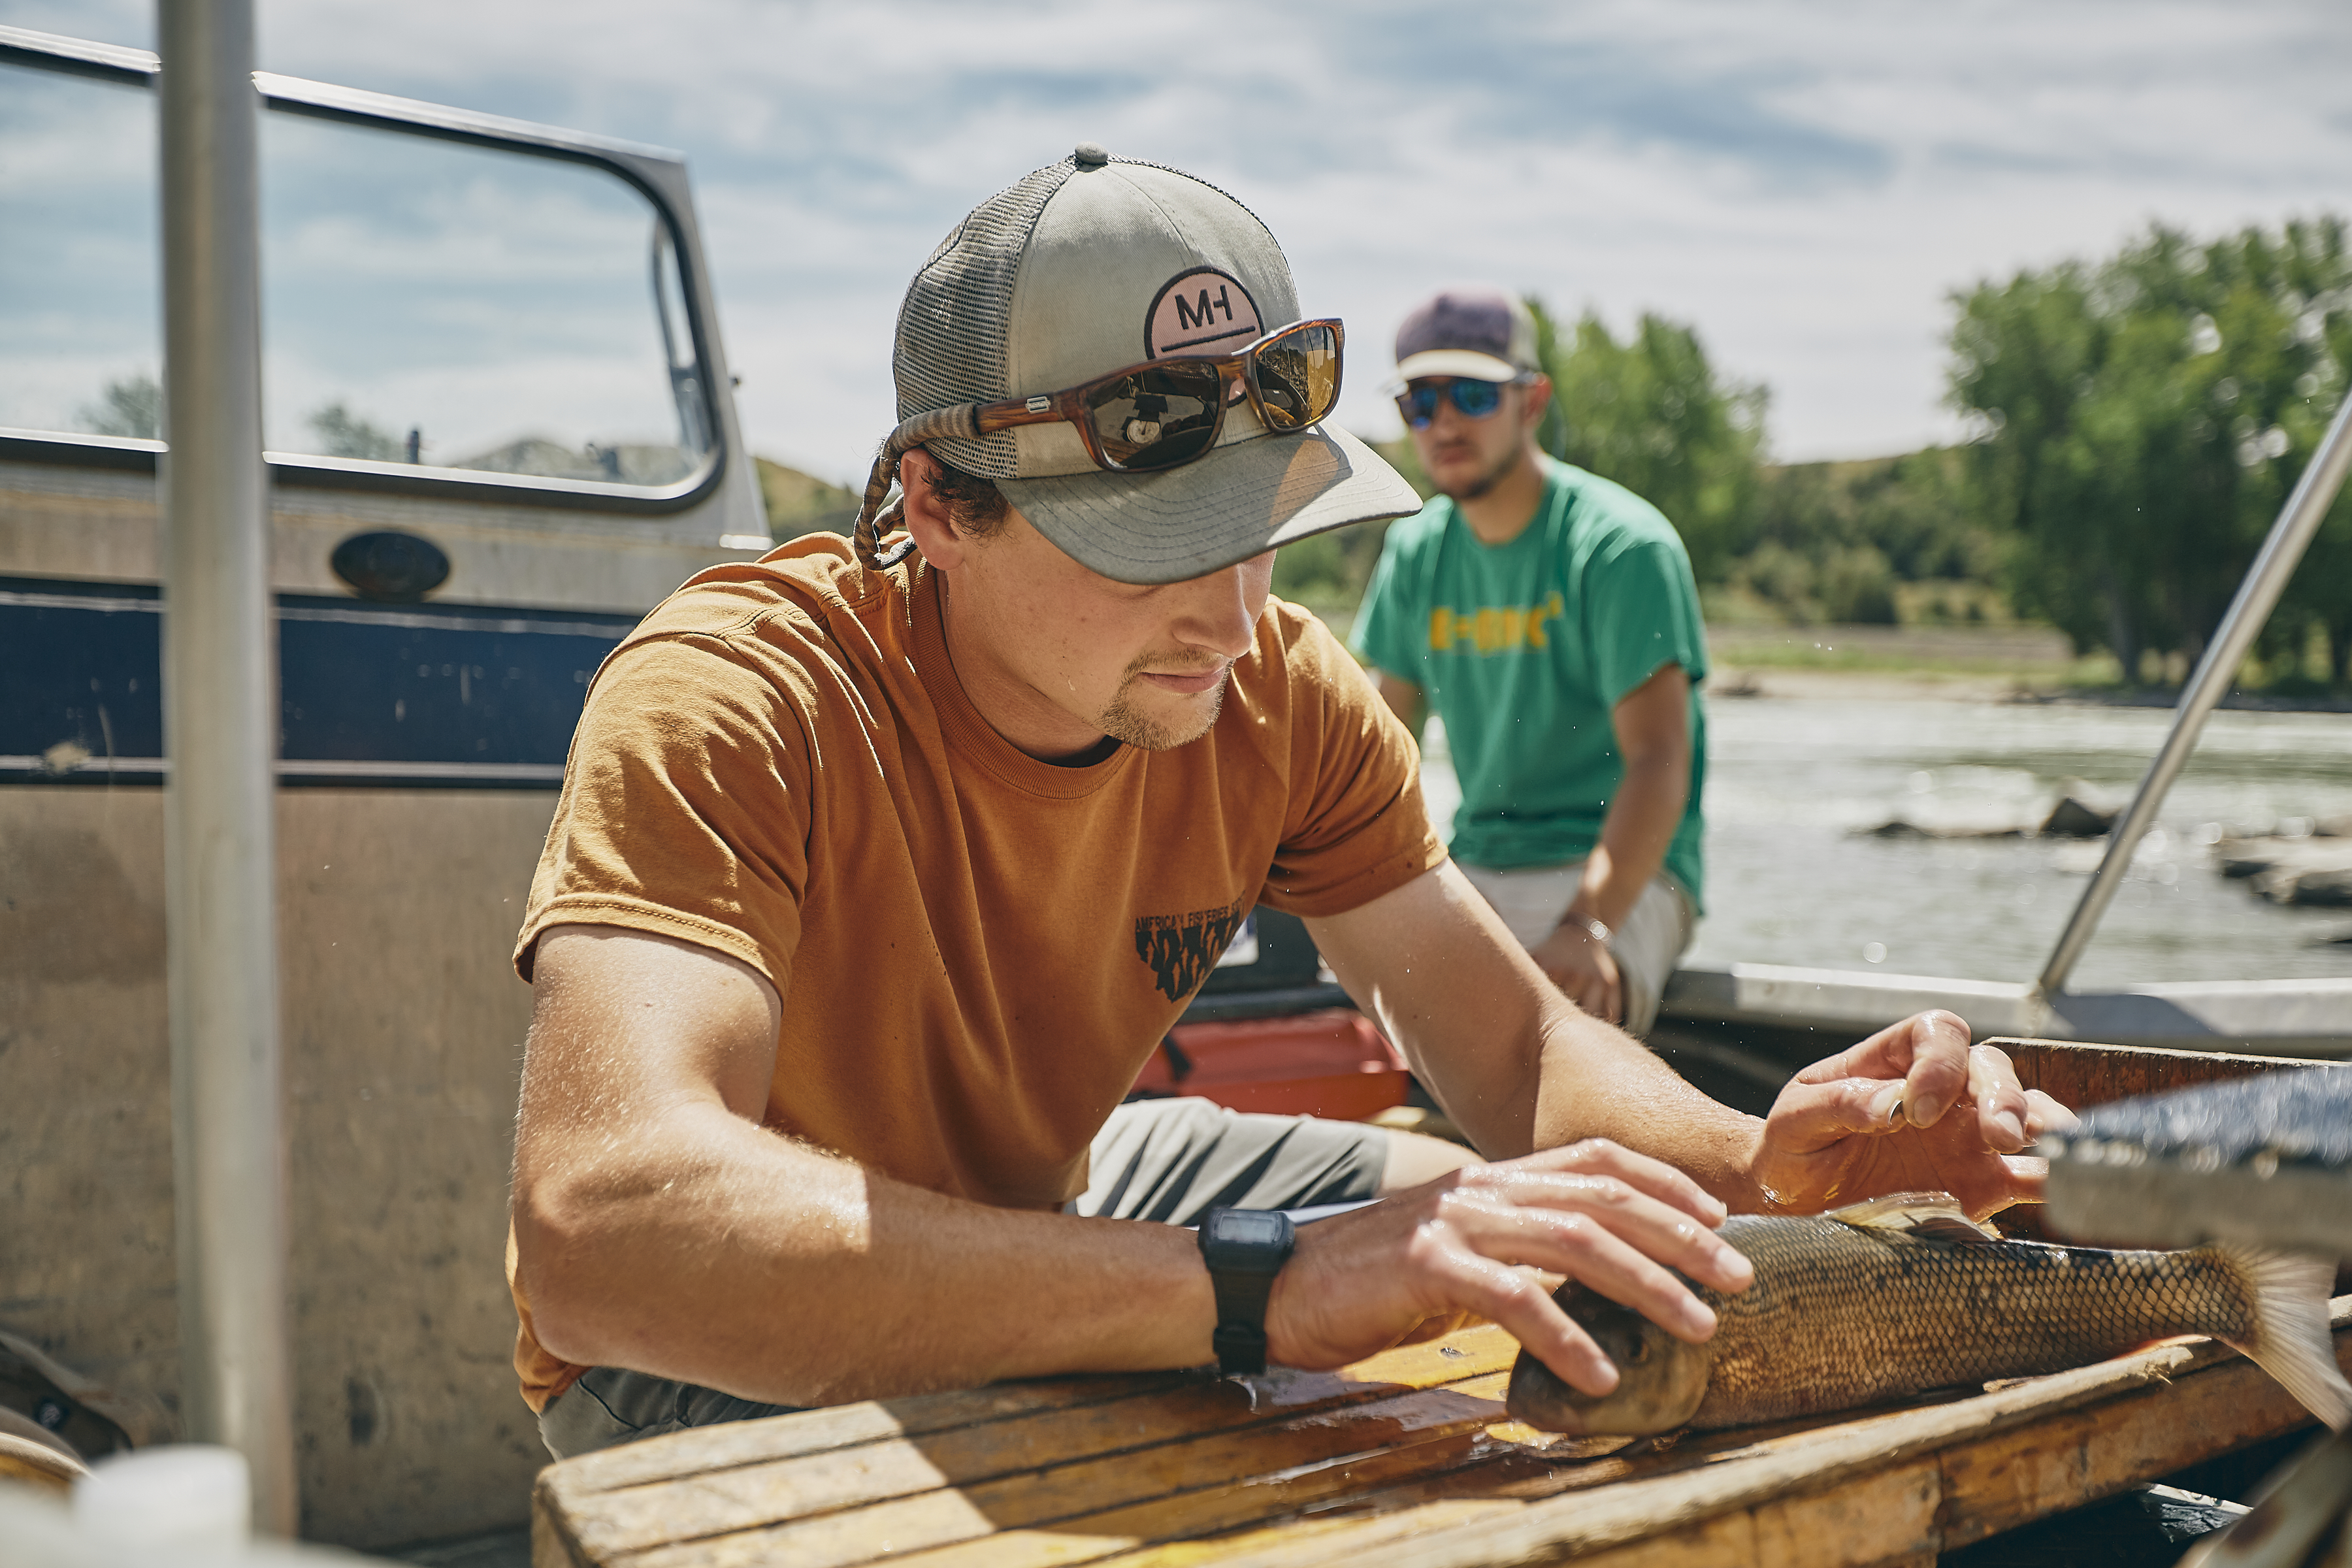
(1795, 782)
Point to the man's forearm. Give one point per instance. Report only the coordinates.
(718, 1254)
(1597, 1081)
(1634, 833)
(659, 1227)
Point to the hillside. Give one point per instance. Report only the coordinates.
(801, 503)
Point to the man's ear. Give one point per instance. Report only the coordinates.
(935, 533)
(1536, 398)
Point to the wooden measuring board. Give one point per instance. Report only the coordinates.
(1406, 1457)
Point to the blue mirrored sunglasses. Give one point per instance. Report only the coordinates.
(1471, 399)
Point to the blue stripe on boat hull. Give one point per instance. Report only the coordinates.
(418, 695)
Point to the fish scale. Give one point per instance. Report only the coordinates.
(1841, 1316)
(1899, 1295)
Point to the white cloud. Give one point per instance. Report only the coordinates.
(1804, 179)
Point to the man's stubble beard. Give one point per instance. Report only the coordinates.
(1485, 481)
(1125, 722)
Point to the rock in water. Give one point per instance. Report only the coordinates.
(2328, 888)
(2074, 817)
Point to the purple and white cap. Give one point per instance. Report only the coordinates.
(1474, 330)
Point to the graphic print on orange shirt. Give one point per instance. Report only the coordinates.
(1182, 949)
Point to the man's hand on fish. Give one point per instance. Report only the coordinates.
(1915, 1108)
(1465, 1246)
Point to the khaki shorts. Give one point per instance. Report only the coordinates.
(1647, 946)
(1164, 1160)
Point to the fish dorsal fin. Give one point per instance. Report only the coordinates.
(1929, 1216)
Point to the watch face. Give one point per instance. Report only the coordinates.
(1246, 1241)
(1249, 1227)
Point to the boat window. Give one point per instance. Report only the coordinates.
(428, 304)
(464, 307)
(80, 305)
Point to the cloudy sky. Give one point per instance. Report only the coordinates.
(1804, 182)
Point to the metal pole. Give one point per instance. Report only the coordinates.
(2256, 597)
(220, 715)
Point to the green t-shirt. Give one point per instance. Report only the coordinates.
(1524, 650)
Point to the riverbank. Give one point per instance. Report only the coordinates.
(1951, 664)
(1960, 663)
(1795, 875)
(1978, 664)
(1739, 682)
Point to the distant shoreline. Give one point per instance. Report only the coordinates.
(1950, 663)
(1931, 663)
(1729, 681)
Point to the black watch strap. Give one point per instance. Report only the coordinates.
(1245, 1249)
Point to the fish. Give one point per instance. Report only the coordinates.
(1885, 1299)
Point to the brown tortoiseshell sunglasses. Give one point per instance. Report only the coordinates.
(1161, 413)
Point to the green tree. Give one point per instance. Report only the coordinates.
(1652, 414)
(342, 434)
(2143, 417)
(133, 406)
(2319, 595)
(800, 503)
(1831, 541)
(1330, 570)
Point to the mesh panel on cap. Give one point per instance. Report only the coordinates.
(952, 324)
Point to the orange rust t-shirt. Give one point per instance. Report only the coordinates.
(976, 951)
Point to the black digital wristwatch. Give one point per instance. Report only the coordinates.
(1245, 1249)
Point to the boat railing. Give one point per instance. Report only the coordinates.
(2257, 595)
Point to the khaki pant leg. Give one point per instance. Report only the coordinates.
(1173, 1160)
(1647, 944)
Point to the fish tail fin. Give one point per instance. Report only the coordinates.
(2291, 1339)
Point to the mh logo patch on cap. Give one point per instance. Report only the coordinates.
(1204, 312)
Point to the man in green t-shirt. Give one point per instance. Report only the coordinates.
(1548, 618)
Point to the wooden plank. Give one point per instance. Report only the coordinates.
(715, 1480)
(1372, 1541)
(1593, 1484)
(38, 1464)
(2043, 1468)
(1880, 1516)
(1353, 1483)
(1468, 1353)
(551, 1545)
(1807, 1466)
(732, 1526)
(1505, 1466)
(1499, 1472)
(840, 1426)
(1224, 1506)
(1726, 1541)
(1166, 1529)
(2086, 1455)
(1450, 1494)
(2078, 1075)
(1886, 1521)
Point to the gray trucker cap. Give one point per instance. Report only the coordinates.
(1474, 330)
(1085, 267)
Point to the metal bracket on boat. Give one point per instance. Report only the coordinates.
(2257, 595)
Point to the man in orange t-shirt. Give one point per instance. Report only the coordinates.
(851, 929)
